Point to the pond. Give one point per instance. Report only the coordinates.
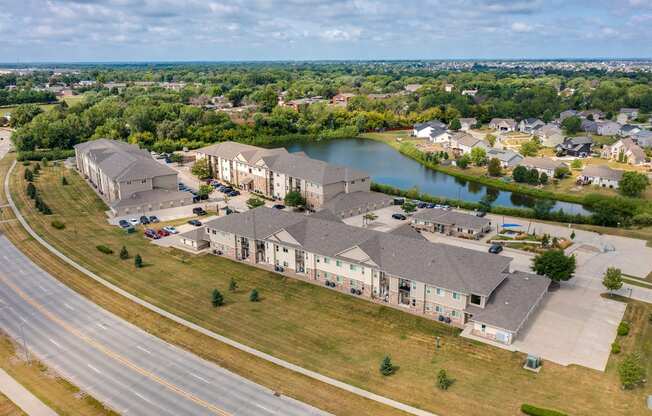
(388, 166)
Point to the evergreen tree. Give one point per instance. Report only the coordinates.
(37, 168)
(64, 181)
(138, 261)
(253, 296)
(29, 175)
(217, 299)
(124, 254)
(233, 285)
(386, 366)
(31, 190)
(443, 382)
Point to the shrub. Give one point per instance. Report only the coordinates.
(443, 381)
(64, 181)
(528, 409)
(31, 190)
(631, 371)
(138, 261)
(104, 249)
(254, 296)
(124, 254)
(233, 285)
(55, 154)
(26, 163)
(29, 175)
(623, 329)
(386, 366)
(217, 299)
(615, 348)
(58, 225)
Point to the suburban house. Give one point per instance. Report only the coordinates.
(470, 93)
(449, 87)
(543, 165)
(508, 158)
(438, 281)
(503, 124)
(595, 115)
(452, 223)
(568, 113)
(464, 142)
(529, 125)
(626, 151)
(643, 138)
(273, 173)
(628, 130)
(342, 99)
(608, 128)
(412, 87)
(423, 130)
(350, 204)
(589, 126)
(627, 114)
(439, 135)
(128, 179)
(302, 103)
(575, 146)
(468, 123)
(550, 134)
(601, 175)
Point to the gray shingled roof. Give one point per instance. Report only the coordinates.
(460, 219)
(406, 230)
(431, 123)
(196, 234)
(326, 214)
(441, 265)
(542, 163)
(602, 171)
(312, 170)
(510, 304)
(352, 201)
(152, 196)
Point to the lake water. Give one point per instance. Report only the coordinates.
(388, 166)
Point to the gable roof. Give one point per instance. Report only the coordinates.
(504, 155)
(602, 171)
(431, 123)
(542, 163)
(459, 219)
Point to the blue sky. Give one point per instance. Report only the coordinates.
(142, 30)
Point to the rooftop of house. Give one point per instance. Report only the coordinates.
(504, 155)
(152, 196)
(509, 121)
(196, 234)
(440, 265)
(431, 123)
(351, 201)
(542, 163)
(122, 161)
(466, 139)
(577, 141)
(602, 171)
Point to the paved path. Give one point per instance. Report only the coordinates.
(22, 398)
(285, 364)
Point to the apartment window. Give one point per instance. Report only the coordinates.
(483, 327)
(414, 302)
(428, 308)
(354, 283)
(460, 229)
(353, 267)
(456, 295)
(438, 309)
(339, 279)
(276, 247)
(327, 260)
(326, 275)
(454, 314)
(317, 259)
(476, 299)
(414, 285)
(143, 181)
(440, 292)
(285, 264)
(338, 263)
(285, 250)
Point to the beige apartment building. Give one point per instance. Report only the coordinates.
(274, 173)
(450, 284)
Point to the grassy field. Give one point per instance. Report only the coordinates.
(55, 392)
(334, 334)
(8, 408)
(45, 107)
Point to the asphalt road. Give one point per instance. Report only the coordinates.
(119, 364)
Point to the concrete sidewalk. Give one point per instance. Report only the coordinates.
(22, 398)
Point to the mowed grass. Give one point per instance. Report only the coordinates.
(322, 330)
(639, 338)
(55, 392)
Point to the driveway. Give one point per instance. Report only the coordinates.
(573, 325)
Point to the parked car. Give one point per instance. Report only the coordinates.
(162, 233)
(134, 221)
(199, 211)
(144, 220)
(398, 216)
(279, 206)
(154, 219)
(495, 248)
(399, 201)
(233, 193)
(170, 229)
(430, 205)
(124, 224)
(149, 233)
(215, 184)
(225, 189)
(196, 223)
(422, 205)
(446, 207)
(480, 214)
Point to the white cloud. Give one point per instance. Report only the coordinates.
(340, 35)
(521, 27)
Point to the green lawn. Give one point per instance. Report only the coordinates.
(317, 328)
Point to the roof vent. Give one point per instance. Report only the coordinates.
(506, 303)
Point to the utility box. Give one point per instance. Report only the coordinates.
(532, 363)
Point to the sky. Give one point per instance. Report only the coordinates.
(231, 30)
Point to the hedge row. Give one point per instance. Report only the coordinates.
(54, 154)
(528, 409)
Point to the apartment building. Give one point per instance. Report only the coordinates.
(274, 173)
(128, 179)
(450, 284)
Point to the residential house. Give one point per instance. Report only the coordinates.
(470, 93)
(601, 175)
(595, 115)
(568, 113)
(643, 138)
(439, 135)
(608, 128)
(543, 165)
(345, 205)
(508, 158)
(503, 124)
(194, 239)
(438, 281)
(412, 87)
(629, 130)
(550, 135)
(626, 151)
(449, 87)
(423, 130)
(529, 125)
(302, 103)
(128, 179)
(627, 114)
(342, 99)
(273, 173)
(468, 123)
(452, 223)
(463, 143)
(575, 146)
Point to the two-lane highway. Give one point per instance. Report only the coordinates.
(118, 363)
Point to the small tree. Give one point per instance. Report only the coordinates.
(572, 125)
(217, 299)
(294, 199)
(532, 176)
(204, 191)
(530, 148)
(386, 366)
(124, 254)
(520, 174)
(572, 236)
(576, 164)
(255, 202)
(254, 296)
(545, 240)
(612, 279)
(455, 124)
(561, 172)
(201, 169)
(409, 207)
(443, 381)
(631, 371)
(633, 184)
(64, 181)
(491, 139)
(31, 190)
(29, 175)
(463, 162)
(543, 178)
(138, 261)
(233, 285)
(44, 161)
(494, 168)
(369, 217)
(479, 156)
(555, 265)
(37, 168)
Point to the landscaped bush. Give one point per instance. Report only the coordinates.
(615, 348)
(54, 154)
(104, 249)
(58, 225)
(528, 409)
(623, 328)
